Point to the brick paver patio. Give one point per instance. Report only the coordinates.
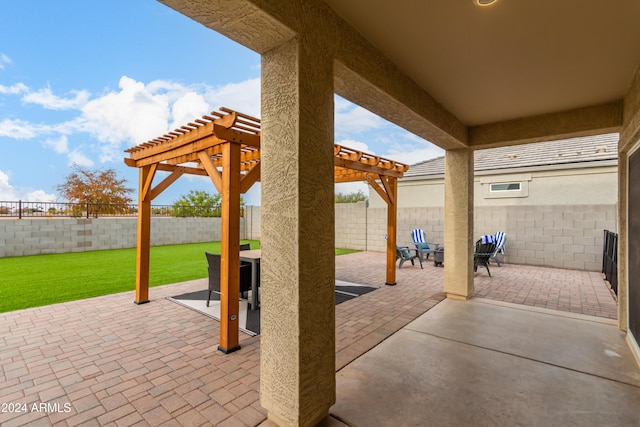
(106, 361)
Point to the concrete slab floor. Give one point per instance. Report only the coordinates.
(482, 363)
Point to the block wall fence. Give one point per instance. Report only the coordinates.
(35, 236)
(562, 236)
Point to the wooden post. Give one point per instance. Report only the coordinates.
(230, 249)
(391, 186)
(144, 235)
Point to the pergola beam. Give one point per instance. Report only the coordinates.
(183, 136)
(250, 178)
(380, 168)
(381, 191)
(146, 187)
(165, 183)
(212, 171)
(231, 142)
(192, 148)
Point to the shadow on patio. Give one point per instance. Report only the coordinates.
(112, 362)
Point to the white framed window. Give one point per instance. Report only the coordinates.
(505, 186)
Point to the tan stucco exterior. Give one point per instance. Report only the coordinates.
(555, 186)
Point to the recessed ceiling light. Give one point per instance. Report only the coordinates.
(485, 2)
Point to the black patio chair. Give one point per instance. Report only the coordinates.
(482, 254)
(403, 253)
(245, 247)
(214, 276)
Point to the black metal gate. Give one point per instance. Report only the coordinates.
(610, 259)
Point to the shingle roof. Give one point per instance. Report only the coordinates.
(575, 150)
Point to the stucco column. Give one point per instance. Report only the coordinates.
(297, 356)
(458, 223)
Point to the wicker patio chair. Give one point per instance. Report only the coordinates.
(214, 276)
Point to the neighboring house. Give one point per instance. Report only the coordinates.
(553, 199)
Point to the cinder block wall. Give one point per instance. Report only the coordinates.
(252, 222)
(431, 220)
(567, 236)
(351, 225)
(36, 236)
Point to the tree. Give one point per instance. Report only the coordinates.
(199, 203)
(358, 196)
(102, 190)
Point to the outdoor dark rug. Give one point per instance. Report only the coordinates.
(250, 319)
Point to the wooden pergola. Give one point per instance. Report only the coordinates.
(225, 146)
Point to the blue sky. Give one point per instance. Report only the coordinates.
(81, 81)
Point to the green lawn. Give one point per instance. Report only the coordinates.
(33, 281)
(345, 251)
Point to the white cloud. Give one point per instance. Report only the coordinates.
(356, 145)
(243, 97)
(59, 145)
(47, 99)
(39, 196)
(15, 89)
(415, 156)
(133, 115)
(397, 144)
(352, 119)
(10, 193)
(76, 157)
(166, 86)
(19, 129)
(6, 190)
(4, 60)
(187, 108)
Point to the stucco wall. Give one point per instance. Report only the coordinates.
(567, 186)
(20, 237)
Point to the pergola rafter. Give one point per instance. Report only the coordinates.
(225, 146)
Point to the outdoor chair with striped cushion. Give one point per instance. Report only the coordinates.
(500, 239)
(419, 239)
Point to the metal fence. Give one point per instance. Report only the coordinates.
(20, 209)
(610, 259)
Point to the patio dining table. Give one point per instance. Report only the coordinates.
(253, 256)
